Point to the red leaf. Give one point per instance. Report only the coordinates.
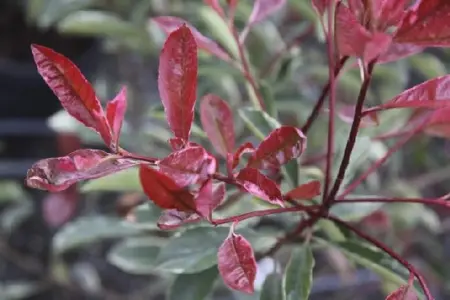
(426, 24)
(320, 6)
(170, 24)
(164, 192)
(264, 8)
(351, 36)
(177, 81)
(244, 148)
(257, 184)
(75, 93)
(402, 293)
(177, 143)
(377, 45)
(305, 191)
(188, 166)
(207, 200)
(237, 264)
(115, 113)
(388, 13)
(172, 219)
(398, 51)
(58, 208)
(439, 123)
(57, 174)
(280, 146)
(217, 121)
(433, 93)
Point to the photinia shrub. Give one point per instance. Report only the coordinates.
(188, 185)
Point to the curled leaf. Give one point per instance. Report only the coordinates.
(244, 148)
(164, 191)
(257, 184)
(236, 263)
(188, 166)
(115, 113)
(177, 80)
(217, 121)
(208, 199)
(172, 219)
(57, 174)
(169, 24)
(280, 146)
(76, 94)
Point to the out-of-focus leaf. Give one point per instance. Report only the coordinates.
(397, 51)
(298, 277)
(355, 211)
(307, 190)
(402, 293)
(57, 174)
(272, 288)
(264, 8)
(13, 216)
(144, 217)
(172, 219)
(258, 121)
(428, 65)
(11, 191)
(236, 263)
(123, 181)
(135, 255)
(55, 10)
(177, 81)
(193, 286)
(58, 208)
(268, 97)
(87, 230)
(16, 290)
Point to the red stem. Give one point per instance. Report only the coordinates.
(352, 136)
(426, 201)
(277, 56)
(387, 250)
(317, 108)
(331, 102)
(400, 143)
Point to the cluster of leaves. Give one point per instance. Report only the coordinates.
(188, 185)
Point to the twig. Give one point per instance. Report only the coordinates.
(436, 201)
(352, 136)
(316, 110)
(388, 251)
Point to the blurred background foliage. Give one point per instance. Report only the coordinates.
(100, 255)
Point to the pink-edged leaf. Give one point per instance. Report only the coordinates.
(172, 219)
(439, 123)
(264, 8)
(402, 293)
(347, 113)
(257, 184)
(320, 6)
(115, 113)
(170, 24)
(357, 7)
(397, 51)
(236, 263)
(378, 44)
(177, 80)
(433, 93)
(244, 148)
(188, 166)
(379, 219)
(177, 143)
(76, 94)
(57, 174)
(279, 147)
(217, 121)
(58, 208)
(426, 24)
(208, 199)
(215, 5)
(164, 192)
(305, 191)
(388, 13)
(351, 36)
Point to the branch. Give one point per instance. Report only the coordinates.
(315, 112)
(387, 250)
(426, 201)
(352, 136)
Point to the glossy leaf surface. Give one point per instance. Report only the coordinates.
(164, 192)
(188, 166)
(257, 184)
(280, 146)
(236, 262)
(115, 113)
(208, 198)
(217, 121)
(57, 174)
(177, 80)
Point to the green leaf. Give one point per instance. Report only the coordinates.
(219, 29)
(145, 217)
(196, 248)
(16, 290)
(14, 215)
(12, 191)
(135, 255)
(55, 10)
(375, 260)
(258, 121)
(123, 181)
(194, 286)
(330, 229)
(87, 230)
(355, 211)
(428, 65)
(272, 288)
(298, 278)
(268, 97)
